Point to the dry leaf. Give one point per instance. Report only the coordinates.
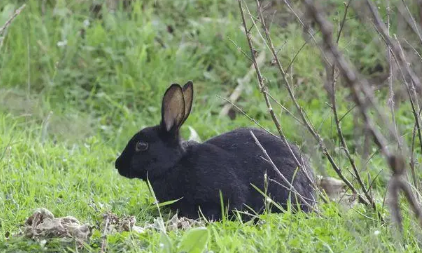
(42, 224)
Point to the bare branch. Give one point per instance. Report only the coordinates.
(356, 86)
(303, 25)
(9, 21)
(3, 29)
(264, 91)
(412, 22)
(344, 145)
(390, 76)
(395, 160)
(247, 116)
(297, 53)
(308, 125)
(290, 186)
(393, 45)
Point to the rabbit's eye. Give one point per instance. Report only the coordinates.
(141, 146)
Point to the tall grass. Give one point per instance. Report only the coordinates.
(75, 84)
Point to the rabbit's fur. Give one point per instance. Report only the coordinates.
(231, 163)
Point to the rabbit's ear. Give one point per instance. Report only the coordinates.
(188, 96)
(173, 108)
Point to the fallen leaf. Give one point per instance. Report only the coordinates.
(43, 225)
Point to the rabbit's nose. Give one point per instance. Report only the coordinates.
(119, 163)
(122, 162)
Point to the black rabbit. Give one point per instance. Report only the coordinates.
(230, 163)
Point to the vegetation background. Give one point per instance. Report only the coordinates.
(78, 79)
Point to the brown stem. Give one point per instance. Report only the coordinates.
(264, 91)
(412, 155)
(357, 87)
(338, 124)
(308, 125)
(413, 98)
(410, 89)
(393, 45)
(390, 76)
(412, 22)
(9, 21)
(307, 30)
(284, 179)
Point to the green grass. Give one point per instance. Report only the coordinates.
(75, 87)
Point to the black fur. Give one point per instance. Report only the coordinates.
(196, 172)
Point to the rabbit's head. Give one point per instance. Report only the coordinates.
(154, 150)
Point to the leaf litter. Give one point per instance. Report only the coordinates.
(42, 225)
(336, 190)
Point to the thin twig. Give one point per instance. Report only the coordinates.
(347, 113)
(343, 142)
(405, 187)
(302, 112)
(9, 21)
(412, 23)
(393, 45)
(258, 73)
(397, 183)
(343, 21)
(241, 50)
(413, 98)
(393, 200)
(3, 29)
(304, 27)
(414, 49)
(285, 109)
(412, 157)
(298, 52)
(390, 76)
(410, 88)
(290, 186)
(412, 154)
(263, 88)
(358, 86)
(246, 115)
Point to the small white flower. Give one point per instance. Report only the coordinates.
(377, 232)
(62, 43)
(86, 22)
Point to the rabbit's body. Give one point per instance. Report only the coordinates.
(230, 163)
(236, 163)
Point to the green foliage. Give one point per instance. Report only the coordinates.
(194, 240)
(165, 243)
(76, 83)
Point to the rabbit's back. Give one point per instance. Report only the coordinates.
(253, 165)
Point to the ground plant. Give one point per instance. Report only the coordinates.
(341, 79)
